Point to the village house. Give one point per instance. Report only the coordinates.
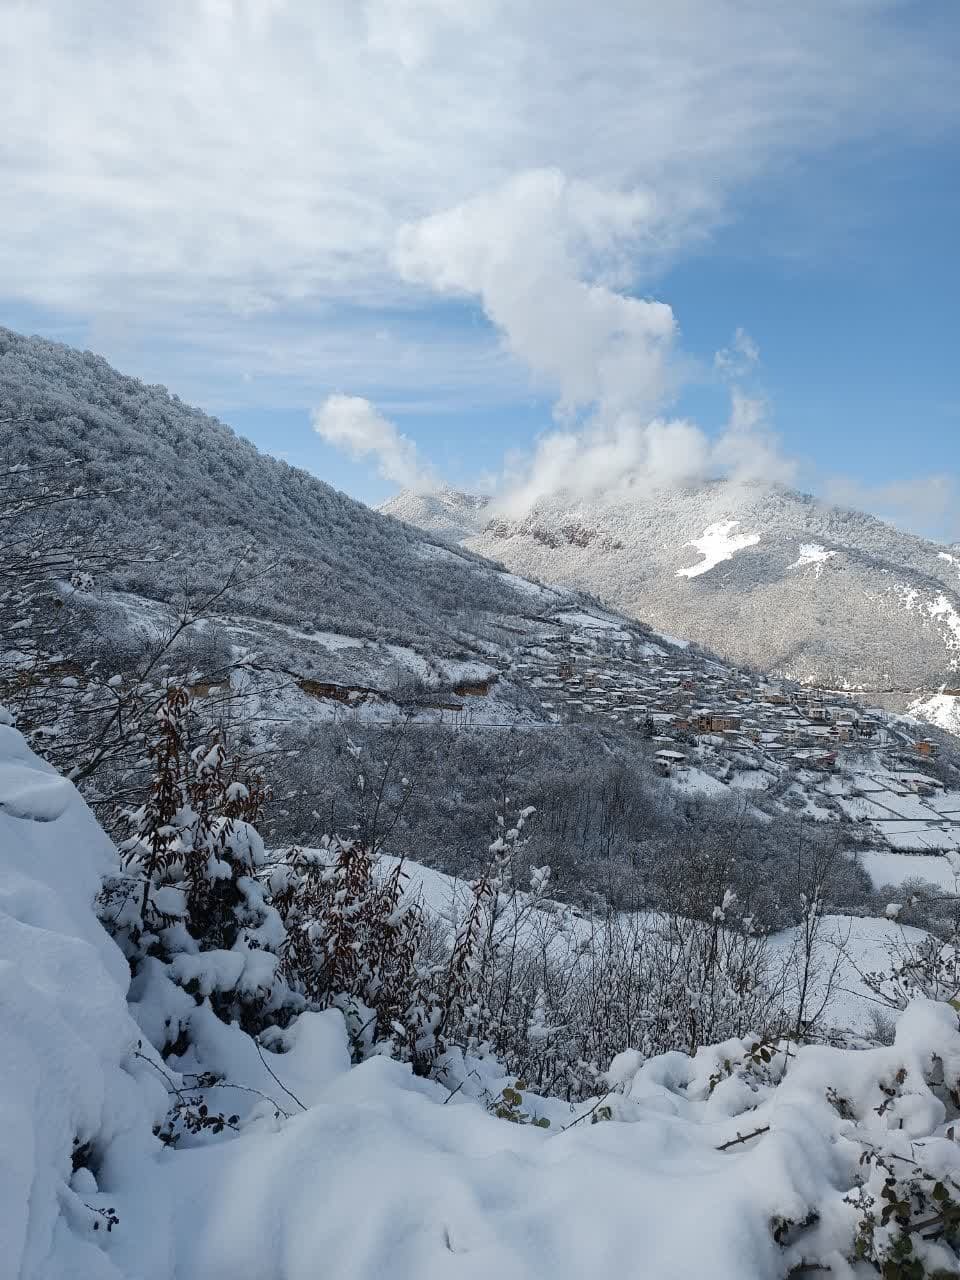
(666, 761)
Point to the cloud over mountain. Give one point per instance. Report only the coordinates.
(352, 424)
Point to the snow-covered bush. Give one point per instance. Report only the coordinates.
(870, 1135)
(355, 939)
(928, 968)
(191, 897)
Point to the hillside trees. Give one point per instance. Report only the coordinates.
(189, 487)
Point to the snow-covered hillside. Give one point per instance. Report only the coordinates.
(941, 709)
(346, 635)
(367, 1170)
(190, 500)
(763, 575)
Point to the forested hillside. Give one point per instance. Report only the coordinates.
(183, 486)
(389, 683)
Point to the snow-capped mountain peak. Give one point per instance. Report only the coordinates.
(809, 590)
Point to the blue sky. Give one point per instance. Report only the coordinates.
(450, 215)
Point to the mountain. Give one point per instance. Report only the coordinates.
(350, 636)
(763, 575)
(194, 499)
(449, 513)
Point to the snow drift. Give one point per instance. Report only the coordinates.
(71, 1090)
(743, 1161)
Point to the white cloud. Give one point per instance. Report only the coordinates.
(739, 359)
(257, 156)
(748, 450)
(536, 252)
(626, 455)
(633, 456)
(353, 425)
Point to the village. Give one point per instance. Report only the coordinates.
(710, 724)
(671, 697)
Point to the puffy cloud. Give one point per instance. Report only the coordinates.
(353, 425)
(748, 450)
(540, 254)
(624, 456)
(534, 251)
(631, 456)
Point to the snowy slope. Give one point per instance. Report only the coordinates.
(448, 512)
(193, 500)
(940, 709)
(370, 1173)
(67, 1074)
(765, 576)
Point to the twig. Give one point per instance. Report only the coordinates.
(599, 1103)
(276, 1077)
(743, 1137)
(217, 1084)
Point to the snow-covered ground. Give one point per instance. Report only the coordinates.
(362, 1172)
(813, 553)
(591, 620)
(544, 595)
(697, 781)
(942, 710)
(854, 946)
(867, 944)
(672, 640)
(884, 867)
(750, 780)
(715, 544)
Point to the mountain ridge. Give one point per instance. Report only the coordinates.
(763, 575)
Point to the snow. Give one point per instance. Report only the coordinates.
(941, 609)
(750, 780)
(433, 551)
(66, 1066)
(884, 867)
(361, 1172)
(380, 1178)
(581, 618)
(896, 813)
(942, 710)
(672, 640)
(699, 782)
(859, 945)
(715, 544)
(32, 794)
(813, 553)
(526, 587)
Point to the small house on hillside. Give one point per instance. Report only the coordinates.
(665, 762)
